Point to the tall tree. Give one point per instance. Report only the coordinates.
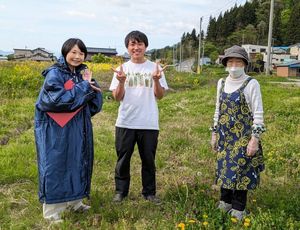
(262, 32)
(219, 30)
(193, 35)
(212, 29)
(293, 24)
(247, 24)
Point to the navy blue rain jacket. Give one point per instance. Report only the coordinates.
(65, 155)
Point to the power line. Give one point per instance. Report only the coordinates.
(225, 7)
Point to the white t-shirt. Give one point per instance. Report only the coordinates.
(138, 109)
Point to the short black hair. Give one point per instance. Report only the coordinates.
(136, 36)
(70, 43)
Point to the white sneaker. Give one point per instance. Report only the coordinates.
(58, 221)
(223, 206)
(81, 207)
(52, 212)
(238, 214)
(55, 219)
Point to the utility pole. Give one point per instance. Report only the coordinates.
(269, 61)
(202, 56)
(180, 55)
(199, 50)
(174, 54)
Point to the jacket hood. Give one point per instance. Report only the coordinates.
(61, 64)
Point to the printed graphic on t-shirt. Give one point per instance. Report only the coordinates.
(139, 80)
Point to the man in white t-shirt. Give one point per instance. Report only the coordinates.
(137, 84)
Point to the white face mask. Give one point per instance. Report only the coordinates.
(235, 72)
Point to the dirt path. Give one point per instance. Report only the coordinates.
(295, 82)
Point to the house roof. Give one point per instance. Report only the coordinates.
(36, 55)
(40, 54)
(292, 64)
(22, 49)
(253, 45)
(101, 50)
(297, 44)
(125, 55)
(39, 48)
(280, 49)
(43, 49)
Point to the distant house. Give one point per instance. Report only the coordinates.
(280, 50)
(219, 60)
(290, 69)
(205, 61)
(295, 51)
(253, 50)
(109, 52)
(125, 56)
(277, 58)
(2, 58)
(148, 54)
(279, 55)
(38, 54)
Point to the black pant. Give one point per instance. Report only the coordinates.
(238, 198)
(147, 143)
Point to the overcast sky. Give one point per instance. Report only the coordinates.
(101, 23)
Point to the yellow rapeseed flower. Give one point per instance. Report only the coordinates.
(205, 216)
(181, 226)
(191, 221)
(205, 223)
(234, 220)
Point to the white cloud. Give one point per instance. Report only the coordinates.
(81, 14)
(103, 22)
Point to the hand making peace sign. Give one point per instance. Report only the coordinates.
(156, 75)
(87, 75)
(121, 76)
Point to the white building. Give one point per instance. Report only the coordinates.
(277, 58)
(295, 51)
(252, 50)
(38, 54)
(205, 61)
(2, 58)
(278, 54)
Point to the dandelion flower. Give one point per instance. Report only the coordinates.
(181, 226)
(247, 220)
(246, 224)
(205, 216)
(191, 221)
(234, 220)
(205, 223)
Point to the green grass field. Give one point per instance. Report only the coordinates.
(185, 162)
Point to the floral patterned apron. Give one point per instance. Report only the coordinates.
(235, 170)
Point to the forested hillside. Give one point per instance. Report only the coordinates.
(245, 24)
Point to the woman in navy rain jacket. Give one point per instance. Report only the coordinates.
(65, 154)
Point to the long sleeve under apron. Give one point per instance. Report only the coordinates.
(252, 94)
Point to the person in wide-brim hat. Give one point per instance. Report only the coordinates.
(238, 124)
(235, 52)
